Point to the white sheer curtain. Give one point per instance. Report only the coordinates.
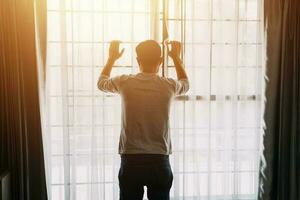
(215, 128)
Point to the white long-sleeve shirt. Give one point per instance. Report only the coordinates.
(146, 100)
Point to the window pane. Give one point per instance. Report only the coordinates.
(215, 127)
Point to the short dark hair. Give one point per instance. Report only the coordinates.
(148, 51)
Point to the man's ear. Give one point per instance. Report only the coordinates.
(159, 64)
(139, 62)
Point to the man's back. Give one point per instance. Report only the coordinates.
(145, 142)
(146, 99)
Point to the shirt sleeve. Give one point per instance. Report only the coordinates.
(107, 84)
(180, 87)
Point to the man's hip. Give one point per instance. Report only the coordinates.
(139, 170)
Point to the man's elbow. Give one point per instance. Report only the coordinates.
(187, 86)
(100, 86)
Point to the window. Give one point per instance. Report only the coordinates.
(215, 127)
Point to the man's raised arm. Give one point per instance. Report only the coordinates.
(105, 83)
(175, 55)
(114, 55)
(181, 86)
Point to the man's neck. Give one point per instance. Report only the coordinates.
(148, 72)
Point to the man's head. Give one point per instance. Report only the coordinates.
(149, 56)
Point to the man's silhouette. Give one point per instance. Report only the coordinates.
(145, 142)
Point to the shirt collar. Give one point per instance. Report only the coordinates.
(147, 74)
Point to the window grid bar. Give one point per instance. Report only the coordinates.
(103, 99)
(235, 165)
(66, 147)
(169, 66)
(145, 12)
(92, 140)
(175, 151)
(183, 40)
(184, 97)
(215, 20)
(128, 42)
(73, 96)
(257, 139)
(172, 128)
(176, 172)
(104, 12)
(209, 111)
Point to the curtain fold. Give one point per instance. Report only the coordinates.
(21, 136)
(40, 10)
(280, 162)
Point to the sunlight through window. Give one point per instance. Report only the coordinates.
(215, 127)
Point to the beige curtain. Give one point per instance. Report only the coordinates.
(21, 139)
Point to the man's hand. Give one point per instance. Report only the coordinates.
(175, 51)
(114, 53)
(175, 55)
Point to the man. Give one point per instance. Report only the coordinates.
(145, 142)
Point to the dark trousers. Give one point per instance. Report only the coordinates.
(150, 170)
